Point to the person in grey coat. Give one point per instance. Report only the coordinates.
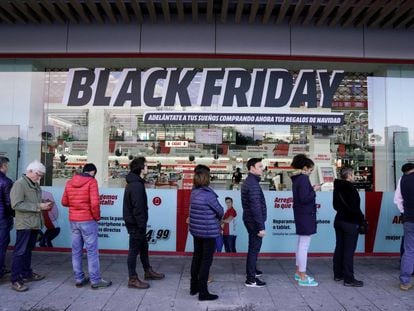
(205, 216)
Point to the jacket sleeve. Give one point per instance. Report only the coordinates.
(94, 199)
(6, 198)
(305, 191)
(398, 199)
(138, 206)
(356, 205)
(216, 207)
(65, 197)
(255, 199)
(18, 202)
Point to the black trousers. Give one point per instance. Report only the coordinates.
(138, 244)
(346, 242)
(255, 243)
(201, 263)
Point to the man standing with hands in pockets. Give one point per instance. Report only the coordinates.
(254, 218)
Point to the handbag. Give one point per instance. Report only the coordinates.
(363, 226)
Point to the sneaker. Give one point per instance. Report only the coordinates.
(308, 281)
(82, 283)
(33, 278)
(259, 273)
(101, 284)
(297, 277)
(256, 283)
(19, 286)
(405, 286)
(354, 283)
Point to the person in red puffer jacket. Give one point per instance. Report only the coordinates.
(82, 197)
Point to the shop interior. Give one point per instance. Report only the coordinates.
(172, 151)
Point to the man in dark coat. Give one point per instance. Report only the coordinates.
(254, 218)
(135, 214)
(6, 213)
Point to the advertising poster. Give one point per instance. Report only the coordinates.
(390, 228)
(280, 225)
(161, 233)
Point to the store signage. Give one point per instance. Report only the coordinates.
(210, 87)
(209, 136)
(331, 119)
(176, 144)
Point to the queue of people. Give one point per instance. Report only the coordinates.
(208, 220)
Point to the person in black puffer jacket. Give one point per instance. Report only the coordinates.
(346, 202)
(135, 214)
(205, 216)
(6, 213)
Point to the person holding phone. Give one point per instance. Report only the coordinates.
(304, 211)
(26, 200)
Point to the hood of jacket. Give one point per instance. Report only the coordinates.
(343, 185)
(78, 181)
(132, 177)
(295, 174)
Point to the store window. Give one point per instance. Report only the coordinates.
(172, 149)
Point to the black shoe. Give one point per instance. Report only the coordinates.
(256, 283)
(337, 279)
(193, 290)
(259, 273)
(354, 283)
(208, 296)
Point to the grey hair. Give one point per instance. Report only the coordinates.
(346, 171)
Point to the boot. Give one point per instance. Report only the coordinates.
(152, 275)
(135, 282)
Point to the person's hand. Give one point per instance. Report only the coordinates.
(261, 233)
(46, 206)
(317, 187)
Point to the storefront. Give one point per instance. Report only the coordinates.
(214, 94)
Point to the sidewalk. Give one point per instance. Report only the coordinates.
(58, 292)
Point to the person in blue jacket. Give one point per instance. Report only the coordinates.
(254, 218)
(304, 211)
(205, 216)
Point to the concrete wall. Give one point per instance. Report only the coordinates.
(229, 38)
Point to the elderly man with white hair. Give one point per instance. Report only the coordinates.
(26, 200)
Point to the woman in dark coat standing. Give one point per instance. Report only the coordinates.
(346, 202)
(304, 211)
(205, 216)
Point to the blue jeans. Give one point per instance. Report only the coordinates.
(85, 233)
(22, 254)
(6, 225)
(255, 243)
(407, 260)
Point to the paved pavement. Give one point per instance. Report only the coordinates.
(58, 292)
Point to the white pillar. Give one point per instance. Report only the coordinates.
(98, 143)
(22, 102)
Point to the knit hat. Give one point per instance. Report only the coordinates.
(89, 167)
